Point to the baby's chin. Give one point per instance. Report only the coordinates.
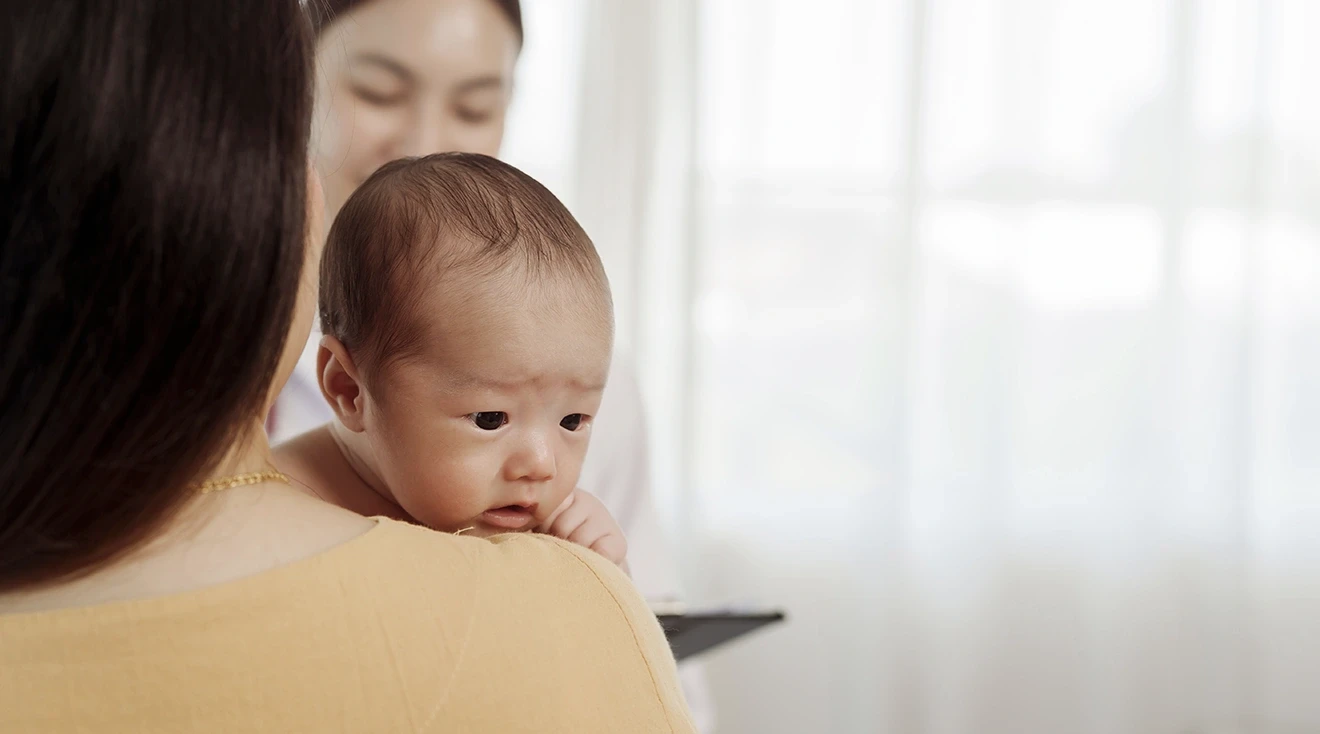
(482, 530)
(474, 527)
(485, 531)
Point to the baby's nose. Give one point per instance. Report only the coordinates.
(533, 462)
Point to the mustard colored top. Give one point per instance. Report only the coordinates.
(399, 630)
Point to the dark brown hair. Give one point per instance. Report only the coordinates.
(326, 12)
(153, 169)
(416, 220)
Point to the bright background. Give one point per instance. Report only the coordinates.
(982, 335)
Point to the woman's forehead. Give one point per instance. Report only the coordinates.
(429, 40)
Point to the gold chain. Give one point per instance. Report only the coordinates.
(257, 477)
(239, 480)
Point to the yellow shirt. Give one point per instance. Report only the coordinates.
(400, 630)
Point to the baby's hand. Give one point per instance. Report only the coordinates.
(583, 519)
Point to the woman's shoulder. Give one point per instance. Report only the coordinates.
(398, 628)
(538, 583)
(554, 622)
(519, 569)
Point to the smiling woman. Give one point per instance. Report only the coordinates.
(398, 81)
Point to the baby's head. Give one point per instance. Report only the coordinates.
(468, 329)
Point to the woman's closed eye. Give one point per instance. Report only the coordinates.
(474, 116)
(378, 97)
(574, 421)
(491, 420)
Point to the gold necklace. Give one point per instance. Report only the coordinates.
(240, 480)
(257, 477)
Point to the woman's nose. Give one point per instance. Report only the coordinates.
(431, 132)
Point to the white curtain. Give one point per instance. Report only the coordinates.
(982, 335)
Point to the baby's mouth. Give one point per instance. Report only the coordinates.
(510, 517)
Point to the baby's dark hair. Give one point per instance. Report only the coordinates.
(418, 220)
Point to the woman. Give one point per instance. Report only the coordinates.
(160, 237)
(402, 78)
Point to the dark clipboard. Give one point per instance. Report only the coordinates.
(693, 633)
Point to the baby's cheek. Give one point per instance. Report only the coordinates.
(563, 487)
(570, 469)
(441, 495)
(456, 485)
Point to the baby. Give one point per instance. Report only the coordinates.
(467, 335)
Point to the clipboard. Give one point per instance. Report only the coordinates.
(695, 632)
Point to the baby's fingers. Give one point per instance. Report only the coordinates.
(570, 521)
(589, 533)
(613, 547)
(549, 522)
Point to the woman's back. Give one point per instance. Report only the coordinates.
(401, 629)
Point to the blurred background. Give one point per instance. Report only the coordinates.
(981, 335)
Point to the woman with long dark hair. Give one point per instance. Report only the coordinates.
(158, 245)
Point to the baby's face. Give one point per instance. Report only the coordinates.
(489, 427)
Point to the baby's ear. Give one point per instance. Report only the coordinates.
(340, 383)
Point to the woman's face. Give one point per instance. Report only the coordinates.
(402, 78)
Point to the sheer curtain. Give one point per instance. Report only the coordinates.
(983, 335)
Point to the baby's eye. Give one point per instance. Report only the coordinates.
(489, 420)
(572, 422)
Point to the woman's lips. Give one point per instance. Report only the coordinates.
(511, 517)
